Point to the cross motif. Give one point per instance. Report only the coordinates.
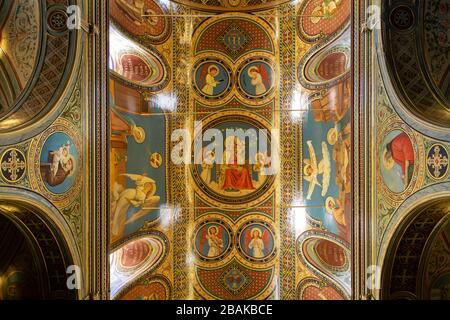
(412, 240)
(437, 161)
(13, 165)
(51, 256)
(404, 258)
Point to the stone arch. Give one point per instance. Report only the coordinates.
(405, 242)
(49, 236)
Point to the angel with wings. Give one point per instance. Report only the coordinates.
(257, 242)
(312, 169)
(142, 197)
(213, 236)
(259, 78)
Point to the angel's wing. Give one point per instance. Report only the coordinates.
(203, 240)
(264, 76)
(312, 184)
(148, 206)
(248, 238)
(312, 154)
(266, 239)
(138, 177)
(325, 168)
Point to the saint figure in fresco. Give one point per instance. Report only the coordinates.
(210, 80)
(400, 151)
(213, 237)
(60, 165)
(259, 79)
(207, 166)
(325, 11)
(256, 242)
(236, 176)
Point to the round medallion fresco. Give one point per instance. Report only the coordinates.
(397, 159)
(212, 240)
(256, 78)
(256, 241)
(59, 162)
(238, 170)
(212, 79)
(320, 19)
(55, 160)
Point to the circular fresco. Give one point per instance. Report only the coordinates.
(212, 240)
(238, 169)
(397, 159)
(212, 79)
(59, 162)
(55, 160)
(256, 241)
(255, 78)
(318, 19)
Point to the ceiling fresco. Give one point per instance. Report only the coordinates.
(38, 56)
(263, 212)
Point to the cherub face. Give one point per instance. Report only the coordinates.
(253, 74)
(65, 151)
(256, 234)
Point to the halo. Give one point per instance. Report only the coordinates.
(326, 204)
(210, 228)
(255, 229)
(138, 134)
(213, 66)
(306, 167)
(332, 141)
(251, 69)
(387, 164)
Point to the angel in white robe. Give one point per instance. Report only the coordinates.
(312, 169)
(142, 197)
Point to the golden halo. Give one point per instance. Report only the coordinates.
(326, 204)
(255, 229)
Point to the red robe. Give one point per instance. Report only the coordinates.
(237, 178)
(402, 150)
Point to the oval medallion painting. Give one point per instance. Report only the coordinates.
(212, 79)
(58, 163)
(256, 241)
(397, 161)
(212, 240)
(238, 171)
(256, 79)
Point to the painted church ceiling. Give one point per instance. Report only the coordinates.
(37, 59)
(417, 38)
(255, 203)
